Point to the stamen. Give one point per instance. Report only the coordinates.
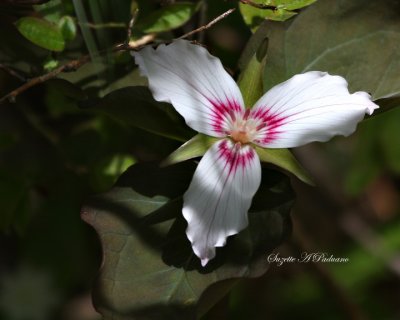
(262, 125)
(232, 114)
(246, 114)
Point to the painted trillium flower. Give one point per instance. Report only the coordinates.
(313, 106)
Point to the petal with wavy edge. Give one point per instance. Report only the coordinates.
(219, 196)
(194, 82)
(313, 106)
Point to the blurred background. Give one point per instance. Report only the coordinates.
(54, 154)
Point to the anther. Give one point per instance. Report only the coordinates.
(262, 125)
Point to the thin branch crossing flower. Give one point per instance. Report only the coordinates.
(313, 106)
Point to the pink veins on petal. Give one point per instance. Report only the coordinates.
(270, 125)
(234, 155)
(245, 125)
(223, 112)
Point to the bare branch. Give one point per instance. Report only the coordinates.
(12, 72)
(208, 25)
(130, 25)
(258, 5)
(126, 46)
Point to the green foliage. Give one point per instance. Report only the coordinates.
(253, 62)
(355, 39)
(42, 33)
(68, 28)
(284, 159)
(377, 150)
(253, 17)
(135, 106)
(195, 147)
(169, 17)
(149, 269)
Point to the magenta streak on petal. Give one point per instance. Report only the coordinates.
(221, 112)
(235, 156)
(271, 122)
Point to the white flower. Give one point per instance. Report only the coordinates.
(313, 106)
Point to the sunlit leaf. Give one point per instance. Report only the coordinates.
(195, 147)
(149, 269)
(253, 17)
(68, 28)
(169, 17)
(283, 158)
(251, 78)
(42, 33)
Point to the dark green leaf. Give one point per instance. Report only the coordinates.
(135, 106)
(42, 33)
(149, 270)
(169, 17)
(356, 39)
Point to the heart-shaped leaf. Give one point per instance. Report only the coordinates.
(42, 33)
(355, 39)
(149, 270)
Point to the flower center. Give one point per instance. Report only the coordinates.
(242, 129)
(240, 136)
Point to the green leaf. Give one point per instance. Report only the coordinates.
(149, 270)
(291, 4)
(135, 106)
(169, 17)
(355, 39)
(68, 28)
(253, 17)
(195, 147)
(42, 33)
(284, 158)
(51, 10)
(251, 78)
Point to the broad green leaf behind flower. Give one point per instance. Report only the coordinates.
(356, 39)
(149, 269)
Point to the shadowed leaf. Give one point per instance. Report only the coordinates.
(149, 269)
(136, 106)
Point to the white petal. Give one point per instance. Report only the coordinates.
(194, 82)
(219, 196)
(313, 106)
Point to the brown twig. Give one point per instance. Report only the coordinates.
(130, 25)
(76, 64)
(12, 72)
(258, 5)
(208, 25)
